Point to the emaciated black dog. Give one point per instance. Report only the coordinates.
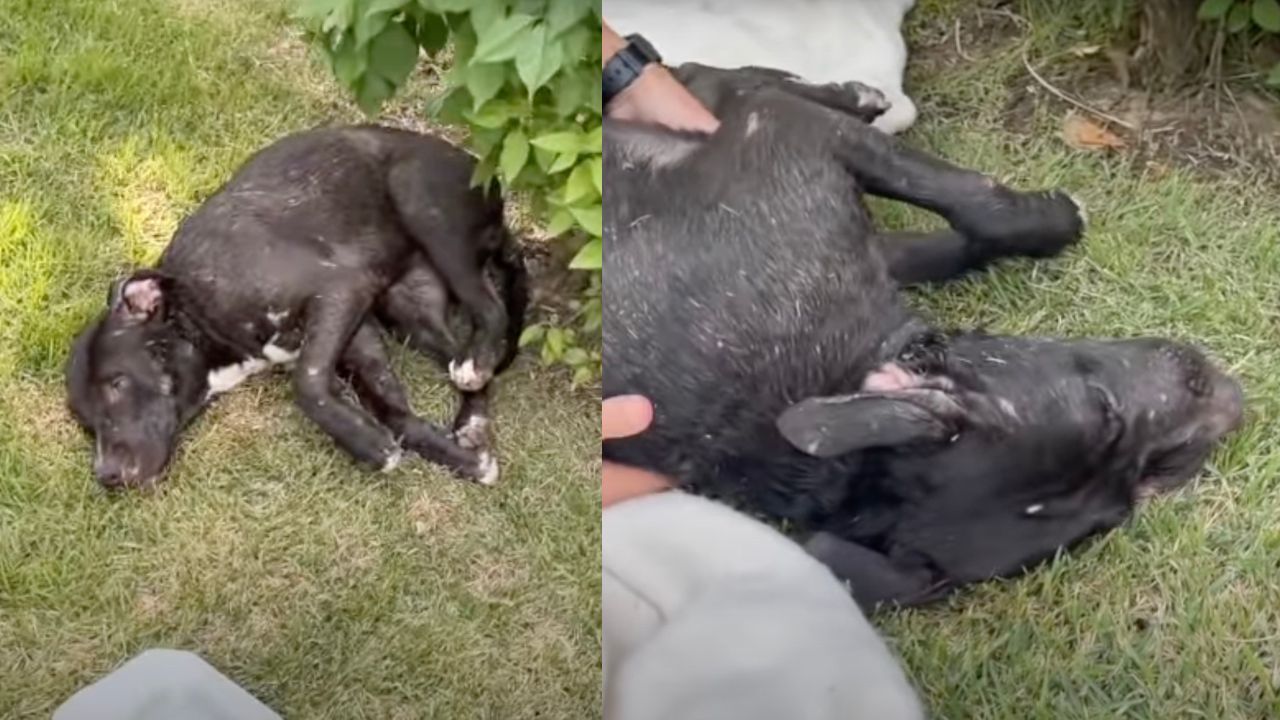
(294, 262)
(752, 300)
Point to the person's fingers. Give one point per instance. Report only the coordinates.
(619, 482)
(625, 415)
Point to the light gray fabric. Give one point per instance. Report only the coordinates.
(710, 615)
(164, 685)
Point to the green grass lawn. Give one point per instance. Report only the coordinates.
(1177, 615)
(326, 591)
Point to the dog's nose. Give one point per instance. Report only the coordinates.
(110, 473)
(1227, 405)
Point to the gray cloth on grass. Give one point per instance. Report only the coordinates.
(164, 685)
(711, 615)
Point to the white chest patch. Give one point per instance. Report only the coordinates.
(222, 379)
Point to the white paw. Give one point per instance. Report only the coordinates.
(473, 434)
(393, 460)
(465, 376)
(488, 474)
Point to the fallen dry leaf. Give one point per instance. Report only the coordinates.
(1082, 133)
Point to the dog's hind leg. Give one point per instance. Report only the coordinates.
(916, 258)
(332, 319)
(459, 243)
(365, 362)
(996, 219)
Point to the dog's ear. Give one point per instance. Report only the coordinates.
(139, 297)
(894, 407)
(832, 426)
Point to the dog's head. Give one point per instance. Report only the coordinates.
(133, 382)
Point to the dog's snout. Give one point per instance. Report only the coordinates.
(115, 471)
(1226, 404)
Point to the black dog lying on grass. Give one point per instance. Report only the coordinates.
(752, 300)
(294, 262)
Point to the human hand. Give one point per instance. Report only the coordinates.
(656, 96)
(624, 416)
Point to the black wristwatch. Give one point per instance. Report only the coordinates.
(624, 67)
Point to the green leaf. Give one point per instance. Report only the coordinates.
(1274, 78)
(573, 357)
(452, 106)
(432, 33)
(590, 257)
(340, 16)
(1238, 20)
(531, 335)
(349, 63)
(372, 93)
(393, 6)
(595, 98)
(579, 184)
(595, 141)
(445, 6)
(393, 54)
(536, 8)
(485, 140)
(591, 219)
(484, 82)
(485, 13)
(544, 158)
(539, 60)
(555, 342)
(563, 14)
(370, 25)
(564, 141)
(578, 42)
(583, 375)
(502, 40)
(597, 174)
(1214, 9)
(564, 162)
(317, 9)
(570, 90)
(515, 153)
(493, 115)
(483, 173)
(561, 221)
(1267, 14)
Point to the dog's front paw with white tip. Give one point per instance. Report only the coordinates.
(466, 376)
(487, 470)
(394, 458)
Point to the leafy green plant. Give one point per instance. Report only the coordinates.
(1243, 15)
(524, 77)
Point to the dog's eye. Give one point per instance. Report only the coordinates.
(116, 387)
